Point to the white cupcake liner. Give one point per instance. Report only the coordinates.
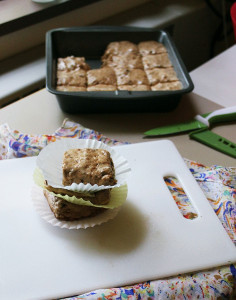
(50, 163)
(118, 195)
(42, 207)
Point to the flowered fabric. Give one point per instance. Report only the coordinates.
(16, 144)
(218, 184)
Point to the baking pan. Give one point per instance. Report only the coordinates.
(91, 42)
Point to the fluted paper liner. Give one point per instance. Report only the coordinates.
(50, 160)
(118, 194)
(42, 207)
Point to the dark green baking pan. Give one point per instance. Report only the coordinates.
(91, 42)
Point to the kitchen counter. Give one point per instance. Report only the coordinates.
(40, 113)
(215, 80)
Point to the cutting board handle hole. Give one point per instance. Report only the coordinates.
(177, 192)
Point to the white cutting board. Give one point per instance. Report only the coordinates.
(149, 238)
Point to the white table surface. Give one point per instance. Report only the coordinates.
(216, 79)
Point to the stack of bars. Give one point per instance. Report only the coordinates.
(94, 166)
(72, 74)
(125, 66)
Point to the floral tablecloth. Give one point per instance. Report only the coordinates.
(218, 184)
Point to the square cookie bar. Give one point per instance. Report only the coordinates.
(102, 87)
(104, 77)
(70, 63)
(72, 78)
(66, 211)
(93, 166)
(167, 86)
(69, 88)
(136, 87)
(151, 47)
(161, 75)
(129, 61)
(131, 77)
(156, 61)
(120, 48)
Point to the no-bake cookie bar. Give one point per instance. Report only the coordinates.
(151, 47)
(157, 75)
(101, 79)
